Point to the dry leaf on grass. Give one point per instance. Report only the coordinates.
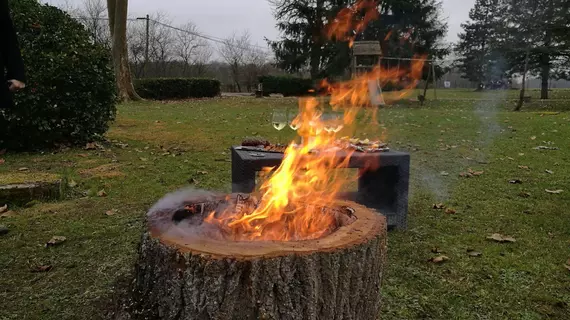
(42, 269)
(450, 211)
(144, 159)
(473, 253)
(516, 181)
(438, 206)
(102, 193)
(4, 208)
(501, 238)
(8, 214)
(202, 172)
(439, 259)
(112, 212)
(549, 171)
(444, 173)
(23, 169)
(2, 161)
(524, 167)
(72, 184)
(524, 194)
(554, 191)
(533, 138)
(436, 250)
(55, 240)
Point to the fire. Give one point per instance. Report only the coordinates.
(348, 24)
(308, 179)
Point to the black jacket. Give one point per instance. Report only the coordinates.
(10, 56)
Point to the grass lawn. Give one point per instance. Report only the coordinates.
(170, 144)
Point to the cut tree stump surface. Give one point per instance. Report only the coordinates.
(335, 277)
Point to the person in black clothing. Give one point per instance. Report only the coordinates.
(13, 72)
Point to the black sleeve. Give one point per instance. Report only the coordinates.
(10, 48)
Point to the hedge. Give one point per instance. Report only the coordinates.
(286, 85)
(70, 94)
(177, 88)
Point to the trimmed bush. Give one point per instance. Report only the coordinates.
(285, 85)
(177, 88)
(70, 95)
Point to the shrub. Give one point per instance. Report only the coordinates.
(285, 85)
(71, 94)
(177, 88)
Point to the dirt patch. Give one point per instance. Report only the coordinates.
(103, 171)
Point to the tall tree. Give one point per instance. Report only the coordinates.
(479, 61)
(234, 51)
(117, 10)
(304, 42)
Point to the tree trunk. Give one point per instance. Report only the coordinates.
(523, 87)
(118, 26)
(335, 277)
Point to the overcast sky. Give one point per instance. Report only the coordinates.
(221, 18)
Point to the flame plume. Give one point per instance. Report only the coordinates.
(288, 209)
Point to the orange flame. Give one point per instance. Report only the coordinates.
(347, 24)
(305, 180)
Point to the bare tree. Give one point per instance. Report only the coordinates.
(256, 64)
(92, 15)
(234, 51)
(117, 10)
(136, 39)
(201, 60)
(187, 45)
(161, 42)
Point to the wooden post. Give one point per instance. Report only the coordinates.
(425, 88)
(434, 80)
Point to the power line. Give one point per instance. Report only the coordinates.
(203, 36)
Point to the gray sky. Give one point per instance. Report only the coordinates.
(221, 18)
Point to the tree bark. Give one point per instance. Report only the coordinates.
(335, 277)
(118, 10)
(523, 87)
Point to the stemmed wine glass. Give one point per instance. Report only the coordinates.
(279, 119)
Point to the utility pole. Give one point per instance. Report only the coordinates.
(147, 18)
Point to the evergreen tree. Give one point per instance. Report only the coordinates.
(480, 61)
(304, 43)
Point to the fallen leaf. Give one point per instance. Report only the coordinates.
(112, 212)
(55, 240)
(549, 171)
(546, 148)
(444, 173)
(194, 181)
(72, 184)
(8, 214)
(202, 172)
(554, 191)
(91, 146)
(83, 155)
(102, 193)
(4, 208)
(2, 161)
(501, 238)
(23, 169)
(521, 154)
(567, 266)
(436, 250)
(524, 167)
(473, 253)
(439, 259)
(533, 138)
(465, 175)
(516, 181)
(524, 194)
(42, 269)
(144, 159)
(450, 211)
(438, 206)
(510, 158)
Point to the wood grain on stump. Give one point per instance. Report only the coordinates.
(335, 277)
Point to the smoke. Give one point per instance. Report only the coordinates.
(170, 218)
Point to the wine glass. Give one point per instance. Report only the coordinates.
(294, 125)
(279, 119)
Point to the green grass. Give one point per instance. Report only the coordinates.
(471, 94)
(522, 280)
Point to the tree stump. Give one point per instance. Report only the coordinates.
(335, 277)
